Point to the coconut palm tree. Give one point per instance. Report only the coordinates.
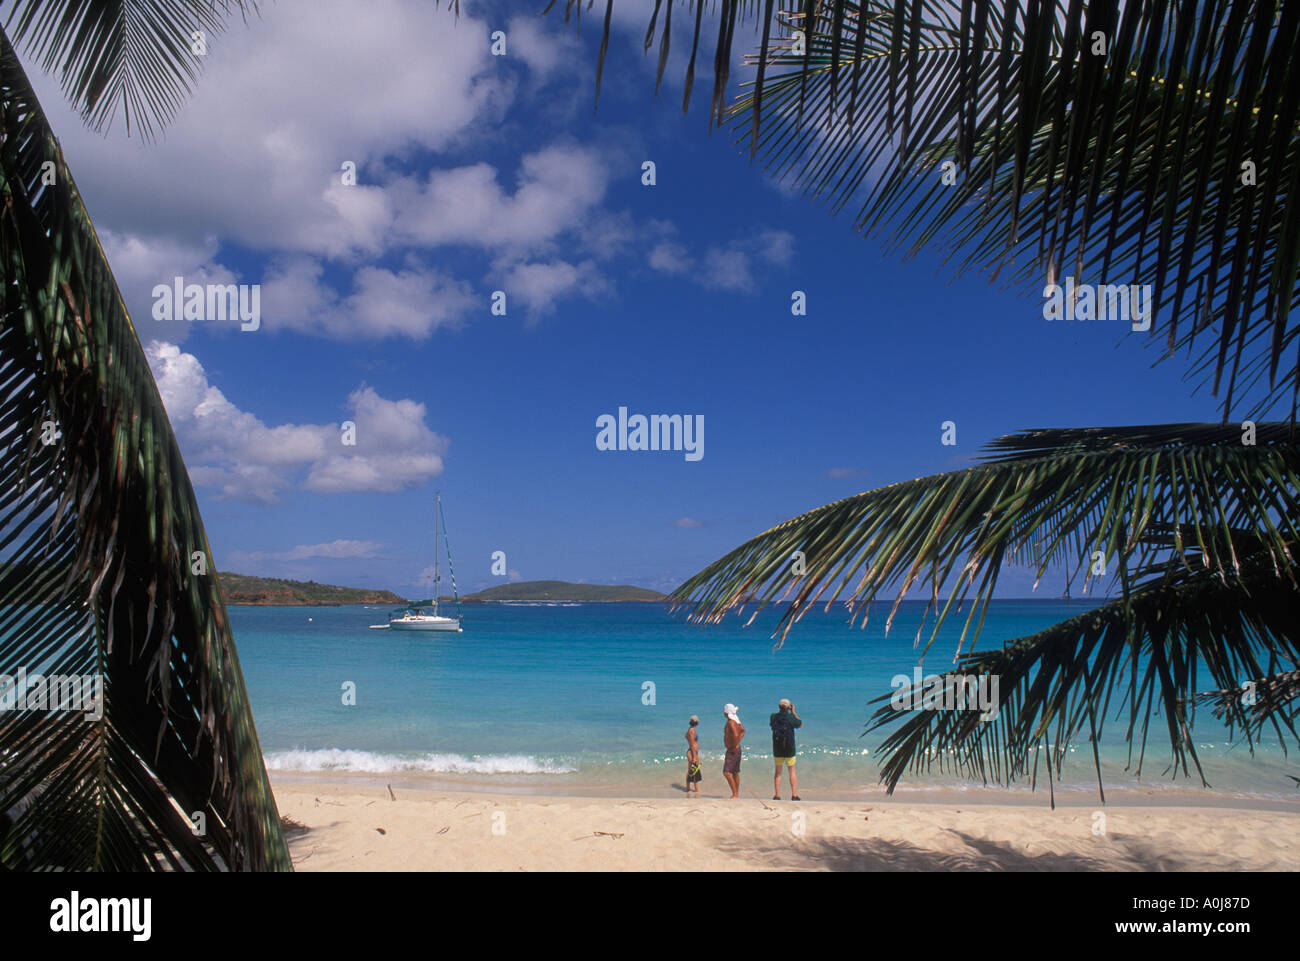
(105, 570)
(1152, 142)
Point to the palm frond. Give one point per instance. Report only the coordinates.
(1114, 497)
(1256, 700)
(1058, 684)
(98, 533)
(1123, 160)
(135, 57)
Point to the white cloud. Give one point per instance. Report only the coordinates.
(542, 44)
(332, 549)
(669, 257)
(141, 263)
(727, 269)
(411, 302)
(235, 452)
(540, 285)
(557, 189)
(254, 159)
(688, 523)
(724, 267)
(775, 246)
(255, 156)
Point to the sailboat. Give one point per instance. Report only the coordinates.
(423, 615)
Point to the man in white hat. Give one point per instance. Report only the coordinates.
(732, 735)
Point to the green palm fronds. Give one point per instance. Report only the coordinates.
(139, 58)
(1172, 633)
(100, 541)
(1104, 141)
(1257, 701)
(1077, 497)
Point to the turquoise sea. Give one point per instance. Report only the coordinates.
(554, 698)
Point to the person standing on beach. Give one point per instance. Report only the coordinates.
(693, 775)
(783, 723)
(732, 735)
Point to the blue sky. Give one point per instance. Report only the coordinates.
(479, 173)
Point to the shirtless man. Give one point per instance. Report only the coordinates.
(732, 735)
(693, 775)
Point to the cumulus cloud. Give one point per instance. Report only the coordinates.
(724, 266)
(542, 45)
(253, 163)
(333, 549)
(141, 263)
(539, 285)
(774, 247)
(669, 258)
(411, 302)
(234, 452)
(256, 155)
(727, 270)
(557, 187)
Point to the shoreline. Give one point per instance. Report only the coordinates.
(752, 789)
(351, 826)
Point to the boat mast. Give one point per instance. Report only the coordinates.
(437, 503)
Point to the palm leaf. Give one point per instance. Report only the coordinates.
(1077, 196)
(1126, 164)
(1057, 684)
(1255, 701)
(1119, 495)
(129, 56)
(97, 534)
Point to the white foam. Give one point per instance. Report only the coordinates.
(371, 762)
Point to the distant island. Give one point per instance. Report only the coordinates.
(278, 592)
(245, 589)
(563, 591)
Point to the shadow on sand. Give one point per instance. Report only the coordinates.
(980, 854)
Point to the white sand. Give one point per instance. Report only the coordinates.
(351, 827)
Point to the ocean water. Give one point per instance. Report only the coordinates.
(557, 698)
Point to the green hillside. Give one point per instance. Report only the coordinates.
(275, 591)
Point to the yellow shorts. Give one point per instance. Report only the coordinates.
(787, 761)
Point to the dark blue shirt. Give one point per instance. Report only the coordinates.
(783, 724)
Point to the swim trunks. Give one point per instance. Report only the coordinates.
(731, 764)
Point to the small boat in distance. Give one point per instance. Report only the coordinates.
(423, 615)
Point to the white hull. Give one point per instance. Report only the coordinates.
(424, 623)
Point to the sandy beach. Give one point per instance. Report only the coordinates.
(360, 827)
